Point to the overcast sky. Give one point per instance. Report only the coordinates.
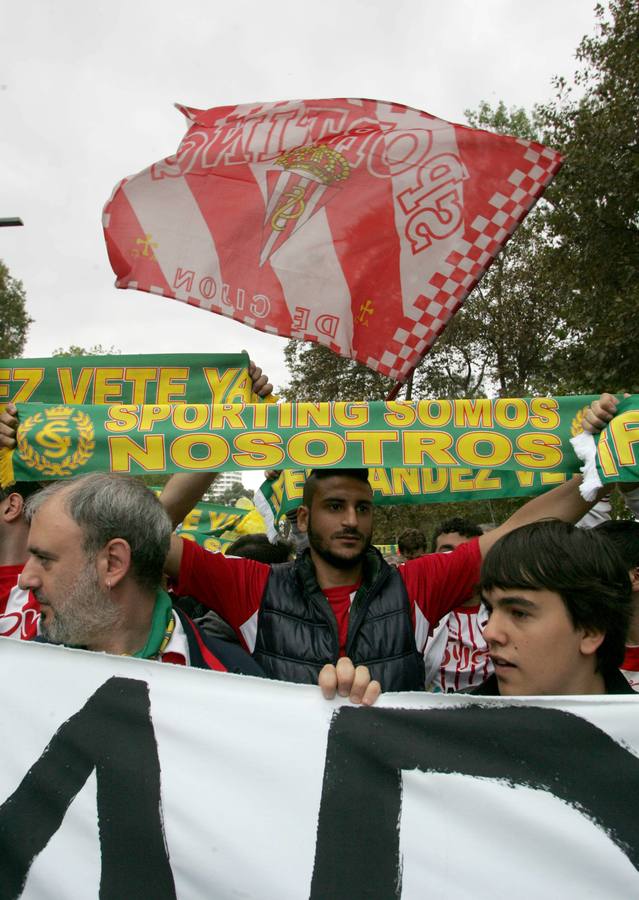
(86, 94)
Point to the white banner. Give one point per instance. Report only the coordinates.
(121, 778)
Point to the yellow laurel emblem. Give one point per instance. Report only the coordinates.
(576, 426)
(57, 431)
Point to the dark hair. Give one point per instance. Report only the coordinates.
(317, 475)
(624, 534)
(258, 547)
(24, 488)
(576, 563)
(109, 506)
(410, 540)
(456, 525)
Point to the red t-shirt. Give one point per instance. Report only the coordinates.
(630, 666)
(233, 587)
(19, 609)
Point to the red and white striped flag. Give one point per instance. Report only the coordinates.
(359, 224)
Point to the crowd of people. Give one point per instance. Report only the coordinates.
(543, 603)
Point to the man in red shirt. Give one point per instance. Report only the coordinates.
(19, 609)
(339, 598)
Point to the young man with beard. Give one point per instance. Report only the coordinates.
(339, 598)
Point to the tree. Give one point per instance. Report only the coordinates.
(14, 319)
(232, 495)
(75, 350)
(319, 374)
(594, 217)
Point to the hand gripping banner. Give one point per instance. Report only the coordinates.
(360, 224)
(611, 456)
(125, 778)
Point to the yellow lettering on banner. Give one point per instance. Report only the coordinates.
(190, 416)
(461, 480)
(294, 482)
(333, 448)
(606, 460)
(139, 378)
(511, 413)
(241, 391)
(78, 393)
(484, 481)
(220, 383)
(187, 537)
(539, 451)
(434, 413)
(123, 450)
(31, 378)
(216, 451)
(379, 481)
(107, 385)
(525, 479)
(172, 385)
(473, 413)
(418, 446)
(151, 414)
(258, 449)
(318, 413)
(260, 414)
(5, 375)
(372, 443)
(434, 480)
(212, 544)
(192, 520)
(219, 519)
(554, 477)
(544, 413)
(468, 449)
(285, 415)
(406, 481)
(122, 418)
(624, 435)
(400, 413)
(228, 414)
(353, 414)
(276, 496)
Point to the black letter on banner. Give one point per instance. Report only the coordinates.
(112, 733)
(357, 850)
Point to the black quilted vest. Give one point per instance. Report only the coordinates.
(297, 630)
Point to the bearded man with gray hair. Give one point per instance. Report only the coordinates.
(97, 545)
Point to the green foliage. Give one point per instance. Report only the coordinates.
(594, 218)
(318, 374)
(14, 319)
(230, 495)
(96, 350)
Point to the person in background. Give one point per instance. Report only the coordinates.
(559, 607)
(412, 543)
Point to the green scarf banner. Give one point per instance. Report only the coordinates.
(215, 526)
(141, 379)
(613, 455)
(525, 435)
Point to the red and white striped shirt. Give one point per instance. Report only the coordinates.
(19, 609)
(630, 666)
(456, 655)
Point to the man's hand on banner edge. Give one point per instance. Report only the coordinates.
(349, 681)
(601, 411)
(8, 427)
(261, 385)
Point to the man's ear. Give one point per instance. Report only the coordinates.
(302, 518)
(591, 640)
(114, 562)
(13, 507)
